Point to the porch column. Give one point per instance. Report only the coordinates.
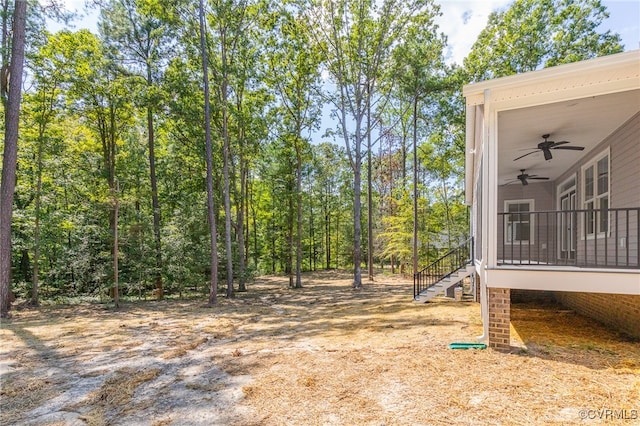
(499, 318)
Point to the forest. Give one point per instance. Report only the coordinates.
(188, 147)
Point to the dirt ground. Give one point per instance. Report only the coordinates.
(321, 355)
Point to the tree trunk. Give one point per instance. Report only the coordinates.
(247, 217)
(403, 148)
(255, 233)
(290, 249)
(213, 237)
(369, 195)
(298, 214)
(225, 170)
(4, 47)
(25, 265)
(337, 240)
(116, 208)
(36, 231)
(240, 231)
(10, 157)
(312, 232)
(415, 185)
(110, 142)
(357, 211)
(327, 235)
(154, 200)
(272, 227)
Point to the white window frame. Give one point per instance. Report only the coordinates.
(563, 189)
(507, 222)
(596, 198)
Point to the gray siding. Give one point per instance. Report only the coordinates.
(624, 151)
(541, 194)
(624, 145)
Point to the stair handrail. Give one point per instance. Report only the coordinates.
(439, 269)
(466, 244)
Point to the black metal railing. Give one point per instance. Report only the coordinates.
(443, 267)
(603, 238)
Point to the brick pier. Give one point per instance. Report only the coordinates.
(499, 318)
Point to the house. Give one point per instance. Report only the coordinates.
(553, 181)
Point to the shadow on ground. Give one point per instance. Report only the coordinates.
(551, 331)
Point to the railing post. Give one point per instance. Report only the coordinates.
(596, 228)
(617, 227)
(637, 238)
(627, 240)
(580, 238)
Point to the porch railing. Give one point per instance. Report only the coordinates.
(443, 267)
(604, 238)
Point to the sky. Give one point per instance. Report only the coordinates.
(462, 21)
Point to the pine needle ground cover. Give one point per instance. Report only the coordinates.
(321, 355)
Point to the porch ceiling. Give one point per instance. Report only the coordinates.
(583, 122)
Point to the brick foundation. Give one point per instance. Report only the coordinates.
(499, 318)
(619, 311)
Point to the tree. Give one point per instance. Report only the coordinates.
(532, 34)
(184, 175)
(231, 22)
(294, 63)
(213, 293)
(44, 103)
(140, 41)
(99, 93)
(329, 170)
(248, 127)
(357, 38)
(11, 97)
(397, 232)
(420, 65)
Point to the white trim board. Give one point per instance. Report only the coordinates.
(615, 72)
(614, 282)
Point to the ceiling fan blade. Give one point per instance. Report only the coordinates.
(528, 153)
(554, 144)
(538, 177)
(547, 154)
(524, 182)
(573, 148)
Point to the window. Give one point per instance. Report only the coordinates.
(568, 185)
(595, 181)
(519, 223)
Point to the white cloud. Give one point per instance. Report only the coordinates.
(462, 21)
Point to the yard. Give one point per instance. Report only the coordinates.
(324, 355)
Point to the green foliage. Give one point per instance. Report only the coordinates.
(398, 231)
(85, 133)
(533, 34)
